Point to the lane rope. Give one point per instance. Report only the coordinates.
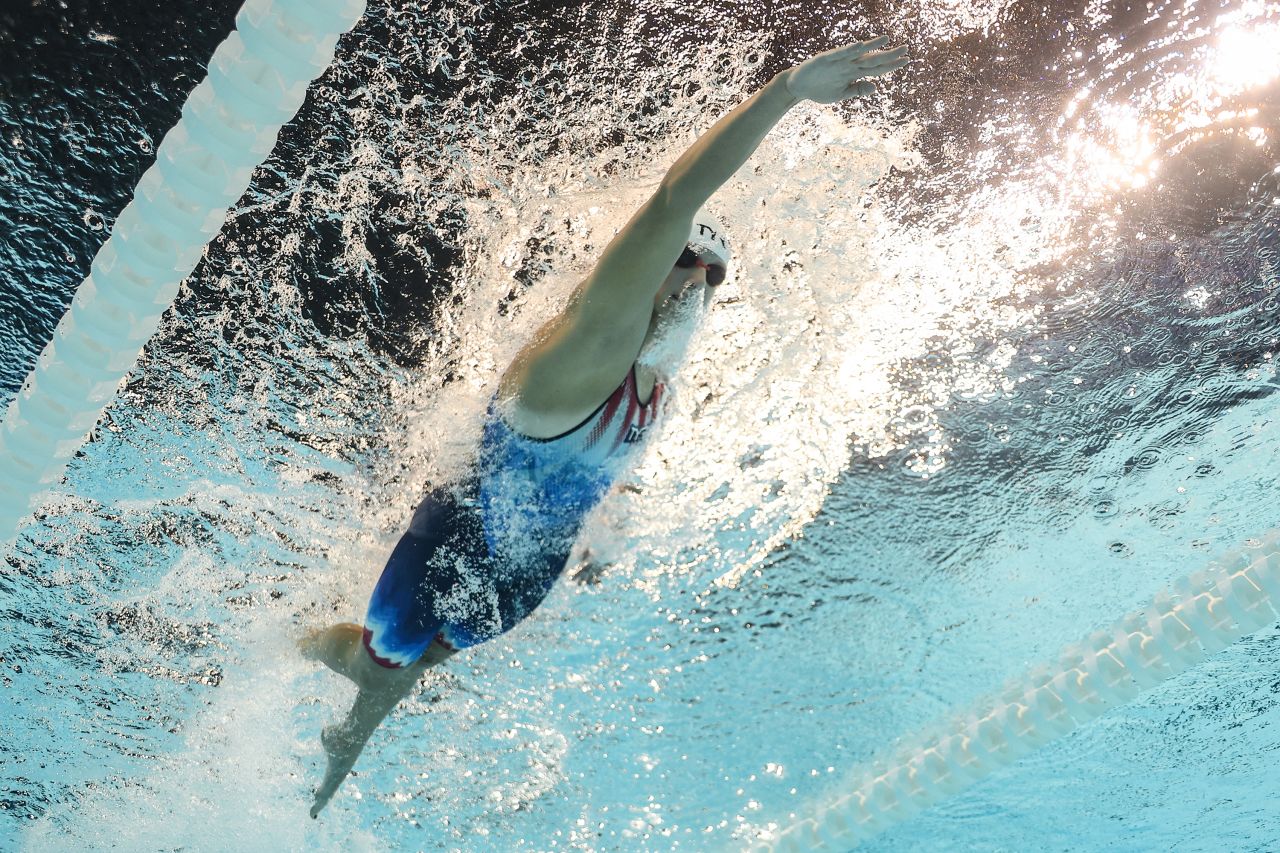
(1201, 614)
(256, 82)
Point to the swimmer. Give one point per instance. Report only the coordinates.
(570, 411)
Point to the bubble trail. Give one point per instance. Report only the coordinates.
(257, 80)
(1237, 594)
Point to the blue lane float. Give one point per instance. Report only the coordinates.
(257, 80)
(1237, 594)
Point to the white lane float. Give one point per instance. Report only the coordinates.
(257, 80)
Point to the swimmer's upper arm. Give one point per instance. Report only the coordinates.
(581, 356)
(633, 266)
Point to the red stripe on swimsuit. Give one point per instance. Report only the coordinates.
(621, 419)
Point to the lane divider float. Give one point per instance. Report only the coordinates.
(1236, 595)
(256, 82)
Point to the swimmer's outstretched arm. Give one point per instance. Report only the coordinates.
(584, 353)
(829, 77)
(657, 232)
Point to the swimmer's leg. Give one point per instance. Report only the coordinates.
(403, 624)
(381, 689)
(400, 602)
(341, 648)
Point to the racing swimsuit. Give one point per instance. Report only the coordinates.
(480, 555)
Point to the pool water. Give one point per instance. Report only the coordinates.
(993, 366)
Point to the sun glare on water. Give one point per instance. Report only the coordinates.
(1246, 57)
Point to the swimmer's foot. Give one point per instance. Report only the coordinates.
(309, 644)
(336, 647)
(344, 742)
(342, 751)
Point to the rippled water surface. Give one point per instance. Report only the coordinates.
(994, 365)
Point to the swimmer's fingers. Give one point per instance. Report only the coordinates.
(881, 61)
(868, 53)
(858, 48)
(834, 75)
(589, 573)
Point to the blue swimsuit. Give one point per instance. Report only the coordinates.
(479, 556)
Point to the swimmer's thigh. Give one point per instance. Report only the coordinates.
(402, 619)
(514, 592)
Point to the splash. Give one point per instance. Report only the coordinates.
(307, 441)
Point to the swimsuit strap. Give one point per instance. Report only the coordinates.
(619, 419)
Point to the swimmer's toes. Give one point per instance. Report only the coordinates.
(322, 798)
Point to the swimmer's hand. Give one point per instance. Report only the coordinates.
(843, 73)
(588, 570)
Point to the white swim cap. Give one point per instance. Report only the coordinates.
(708, 235)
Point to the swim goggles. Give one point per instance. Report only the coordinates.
(689, 258)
